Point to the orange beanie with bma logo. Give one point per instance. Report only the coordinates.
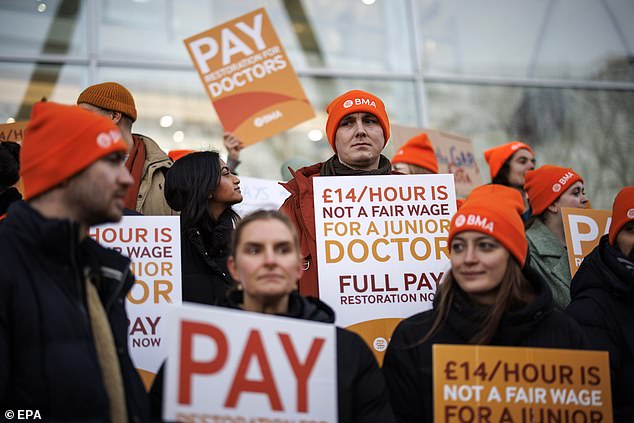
(622, 212)
(494, 210)
(355, 101)
(546, 184)
(496, 156)
(61, 141)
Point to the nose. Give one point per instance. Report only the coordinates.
(269, 257)
(359, 127)
(470, 255)
(125, 178)
(236, 180)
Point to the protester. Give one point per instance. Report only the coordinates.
(416, 157)
(146, 162)
(358, 129)
(234, 146)
(603, 301)
(549, 189)
(202, 188)
(63, 324)
(508, 164)
(9, 175)
(484, 299)
(267, 266)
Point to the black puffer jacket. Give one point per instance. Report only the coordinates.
(603, 303)
(48, 360)
(362, 395)
(408, 362)
(8, 197)
(204, 254)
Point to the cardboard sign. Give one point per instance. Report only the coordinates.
(259, 194)
(381, 248)
(153, 244)
(583, 228)
(504, 384)
(454, 153)
(249, 78)
(231, 365)
(13, 132)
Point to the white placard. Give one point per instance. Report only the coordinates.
(259, 194)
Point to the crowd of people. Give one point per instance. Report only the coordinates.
(63, 324)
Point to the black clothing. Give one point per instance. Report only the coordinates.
(8, 197)
(48, 360)
(602, 293)
(361, 393)
(408, 362)
(204, 254)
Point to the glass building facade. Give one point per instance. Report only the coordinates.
(556, 74)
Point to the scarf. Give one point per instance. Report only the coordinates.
(333, 167)
(135, 164)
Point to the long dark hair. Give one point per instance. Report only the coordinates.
(515, 291)
(188, 184)
(502, 178)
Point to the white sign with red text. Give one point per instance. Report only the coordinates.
(232, 365)
(153, 245)
(381, 248)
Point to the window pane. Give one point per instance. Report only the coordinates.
(321, 34)
(579, 39)
(590, 131)
(52, 27)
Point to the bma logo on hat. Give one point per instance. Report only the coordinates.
(106, 139)
(515, 146)
(460, 220)
(481, 222)
(566, 178)
(359, 102)
(630, 213)
(556, 187)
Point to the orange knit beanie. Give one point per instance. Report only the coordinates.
(622, 212)
(178, 154)
(496, 156)
(60, 141)
(494, 210)
(417, 151)
(544, 185)
(353, 102)
(110, 96)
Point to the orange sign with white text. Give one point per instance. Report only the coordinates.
(583, 229)
(249, 78)
(508, 384)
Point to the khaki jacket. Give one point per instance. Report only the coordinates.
(151, 200)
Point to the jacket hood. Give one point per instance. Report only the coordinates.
(299, 307)
(605, 268)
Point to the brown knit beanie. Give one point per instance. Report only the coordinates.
(110, 96)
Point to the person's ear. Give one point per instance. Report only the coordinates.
(233, 269)
(553, 208)
(116, 117)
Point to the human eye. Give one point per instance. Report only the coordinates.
(371, 120)
(457, 247)
(284, 249)
(487, 245)
(344, 122)
(251, 250)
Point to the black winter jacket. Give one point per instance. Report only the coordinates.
(204, 254)
(361, 393)
(408, 362)
(602, 293)
(48, 360)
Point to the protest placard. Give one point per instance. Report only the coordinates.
(259, 194)
(248, 77)
(381, 248)
(583, 228)
(231, 365)
(521, 385)
(454, 153)
(153, 245)
(12, 132)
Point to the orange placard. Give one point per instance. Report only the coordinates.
(583, 229)
(249, 78)
(508, 384)
(13, 132)
(453, 151)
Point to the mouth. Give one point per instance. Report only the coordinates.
(471, 275)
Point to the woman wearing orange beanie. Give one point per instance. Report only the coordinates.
(550, 188)
(485, 299)
(508, 164)
(603, 301)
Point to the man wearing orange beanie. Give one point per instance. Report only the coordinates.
(63, 324)
(416, 157)
(146, 162)
(358, 129)
(603, 301)
(550, 188)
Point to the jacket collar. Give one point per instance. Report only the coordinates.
(545, 242)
